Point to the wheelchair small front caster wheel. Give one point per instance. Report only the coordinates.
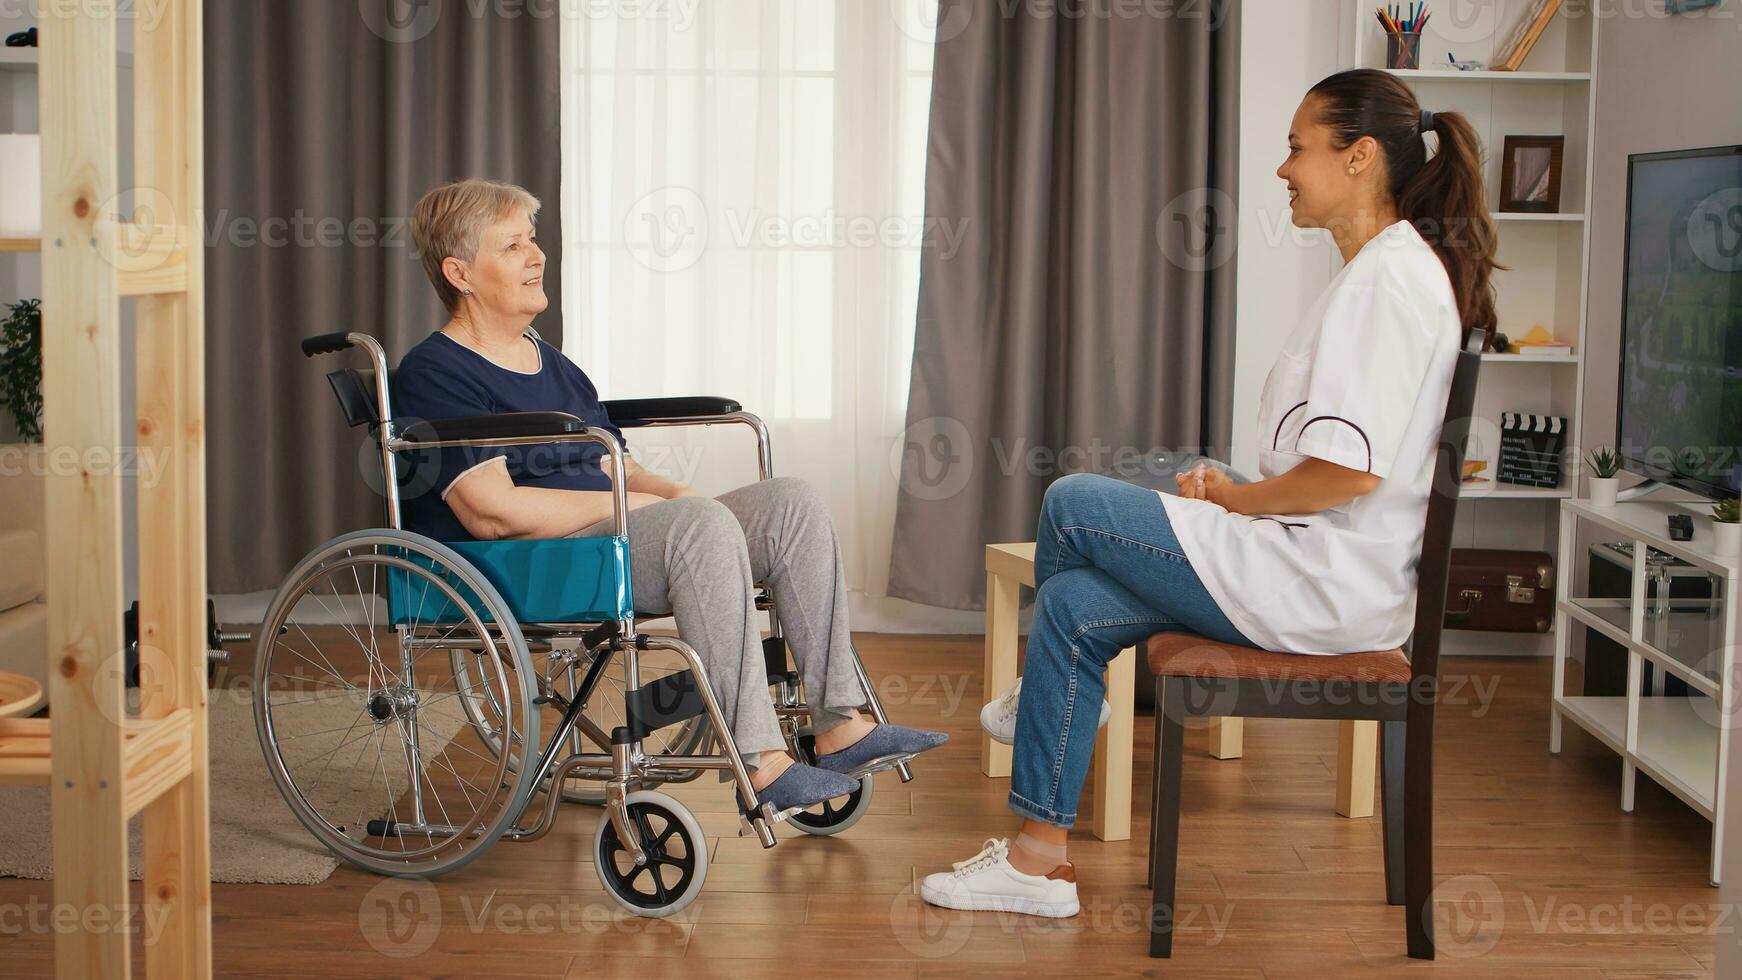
(830, 817)
(676, 856)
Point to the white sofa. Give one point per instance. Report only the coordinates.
(23, 613)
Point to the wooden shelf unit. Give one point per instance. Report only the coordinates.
(103, 766)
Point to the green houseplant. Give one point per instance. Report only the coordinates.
(21, 367)
(1604, 465)
(1726, 526)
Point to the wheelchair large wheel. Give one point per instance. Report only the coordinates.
(676, 856)
(365, 729)
(834, 816)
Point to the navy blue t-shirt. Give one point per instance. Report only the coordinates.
(442, 378)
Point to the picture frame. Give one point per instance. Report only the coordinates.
(1530, 174)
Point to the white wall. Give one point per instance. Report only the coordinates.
(1285, 46)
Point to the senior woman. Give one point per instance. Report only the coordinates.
(696, 556)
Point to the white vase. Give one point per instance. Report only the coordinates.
(1603, 491)
(1725, 537)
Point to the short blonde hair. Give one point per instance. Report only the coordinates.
(448, 221)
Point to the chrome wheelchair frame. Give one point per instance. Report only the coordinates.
(626, 844)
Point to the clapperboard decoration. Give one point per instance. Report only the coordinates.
(1530, 449)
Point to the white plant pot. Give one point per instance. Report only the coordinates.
(1603, 491)
(1726, 537)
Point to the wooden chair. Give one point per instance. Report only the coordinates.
(1198, 677)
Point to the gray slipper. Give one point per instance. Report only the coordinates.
(883, 745)
(801, 786)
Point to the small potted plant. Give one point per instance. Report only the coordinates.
(1604, 465)
(21, 367)
(1726, 526)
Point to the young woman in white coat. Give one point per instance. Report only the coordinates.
(1318, 556)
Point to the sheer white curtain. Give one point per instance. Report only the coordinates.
(743, 187)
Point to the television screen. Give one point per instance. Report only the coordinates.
(1680, 400)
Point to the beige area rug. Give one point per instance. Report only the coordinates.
(255, 837)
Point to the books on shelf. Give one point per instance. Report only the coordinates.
(1530, 449)
(1525, 38)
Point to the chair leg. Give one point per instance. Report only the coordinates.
(1155, 786)
(1164, 841)
(1418, 816)
(1391, 759)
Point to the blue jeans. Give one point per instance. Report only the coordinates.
(1109, 573)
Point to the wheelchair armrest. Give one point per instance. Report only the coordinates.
(630, 412)
(506, 425)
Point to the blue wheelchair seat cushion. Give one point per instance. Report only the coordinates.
(545, 580)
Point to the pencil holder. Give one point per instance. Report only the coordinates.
(1403, 49)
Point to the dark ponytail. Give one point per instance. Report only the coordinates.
(1443, 197)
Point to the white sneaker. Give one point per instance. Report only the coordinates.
(998, 718)
(987, 883)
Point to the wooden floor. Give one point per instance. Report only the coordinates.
(1541, 872)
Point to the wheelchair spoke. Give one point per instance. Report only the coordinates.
(334, 671)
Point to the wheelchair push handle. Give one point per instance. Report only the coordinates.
(326, 343)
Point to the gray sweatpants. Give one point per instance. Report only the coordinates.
(699, 559)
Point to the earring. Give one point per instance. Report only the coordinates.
(469, 292)
(1351, 170)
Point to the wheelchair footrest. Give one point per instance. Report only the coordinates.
(768, 816)
(883, 764)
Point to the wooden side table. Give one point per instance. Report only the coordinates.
(1010, 567)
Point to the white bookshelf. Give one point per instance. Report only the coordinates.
(1547, 255)
(1678, 742)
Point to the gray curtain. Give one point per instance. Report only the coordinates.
(324, 124)
(1089, 314)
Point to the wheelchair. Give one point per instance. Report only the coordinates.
(403, 686)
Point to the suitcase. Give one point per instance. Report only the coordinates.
(1498, 589)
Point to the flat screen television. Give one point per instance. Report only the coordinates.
(1679, 411)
